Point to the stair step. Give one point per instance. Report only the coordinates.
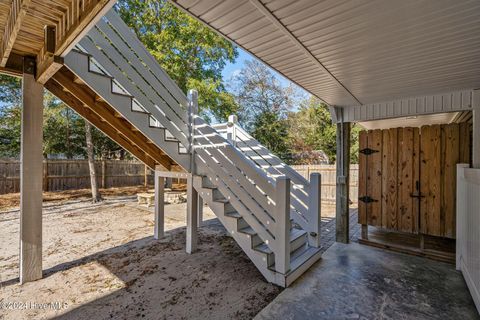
(248, 230)
(234, 214)
(221, 200)
(296, 242)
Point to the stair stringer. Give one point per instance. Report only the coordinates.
(102, 86)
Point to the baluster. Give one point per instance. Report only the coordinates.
(282, 216)
(192, 113)
(232, 129)
(315, 208)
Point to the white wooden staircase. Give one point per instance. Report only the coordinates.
(271, 211)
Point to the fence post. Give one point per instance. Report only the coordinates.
(232, 130)
(145, 176)
(315, 208)
(45, 175)
(103, 174)
(282, 208)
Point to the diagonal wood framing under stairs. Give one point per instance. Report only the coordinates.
(80, 98)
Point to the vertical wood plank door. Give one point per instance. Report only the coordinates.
(362, 177)
(374, 178)
(390, 179)
(409, 177)
(408, 180)
(430, 180)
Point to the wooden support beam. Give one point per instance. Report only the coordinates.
(103, 110)
(192, 216)
(93, 118)
(14, 66)
(343, 174)
(159, 230)
(18, 11)
(31, 174)
(47, 62)
(72, 27)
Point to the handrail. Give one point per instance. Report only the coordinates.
(304, 196)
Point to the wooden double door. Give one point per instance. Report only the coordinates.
(407, 177)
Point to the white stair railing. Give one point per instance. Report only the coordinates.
(261, 198)
(305, 198)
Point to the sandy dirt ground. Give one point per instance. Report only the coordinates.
(101, 262)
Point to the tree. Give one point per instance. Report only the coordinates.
(192, 54)
(311, 129)
(264, 105)
(96, 197)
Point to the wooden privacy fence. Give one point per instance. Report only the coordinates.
(74, 174)
(329, 178)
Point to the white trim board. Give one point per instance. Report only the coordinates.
(414, 106)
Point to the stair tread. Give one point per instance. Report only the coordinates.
(222, 200)
(299, 257)
(294, 235)
(233, 214)
(248, 230)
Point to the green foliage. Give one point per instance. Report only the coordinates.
(63, 129)
(272, 131)
(311, 128)
(192, 54)
(264, 105)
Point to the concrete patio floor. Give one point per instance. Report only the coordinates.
(360, 282)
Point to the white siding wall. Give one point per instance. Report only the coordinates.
(468, 228)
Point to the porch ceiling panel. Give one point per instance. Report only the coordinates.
(356, 52)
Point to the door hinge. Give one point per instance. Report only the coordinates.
(368, 151)
(367, 199)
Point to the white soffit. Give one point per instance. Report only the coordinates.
(413, 121)
(356, 52)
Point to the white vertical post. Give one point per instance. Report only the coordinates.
(200, 210)
(476, 130)
(232, 130)
(192, 194)
(461, 212)
(342, 221)
(192, 216)
(192, 113)
(315, 208)
(282, 216)
(159, 230)
(31, 174)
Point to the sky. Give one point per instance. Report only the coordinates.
(231, 69)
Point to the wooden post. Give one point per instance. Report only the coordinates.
(231, 129)
(159, 230)
(476, 129)
(192, 216)
(31, 179)
(343, 168)
(200, 210)
(282, 216)
(145, 177)
(45, 175)
(315, 208)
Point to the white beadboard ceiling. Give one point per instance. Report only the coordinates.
(356, 52)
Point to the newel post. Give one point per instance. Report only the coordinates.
(282, 208)
(315, 208)
(232, 130)
(192, 194)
